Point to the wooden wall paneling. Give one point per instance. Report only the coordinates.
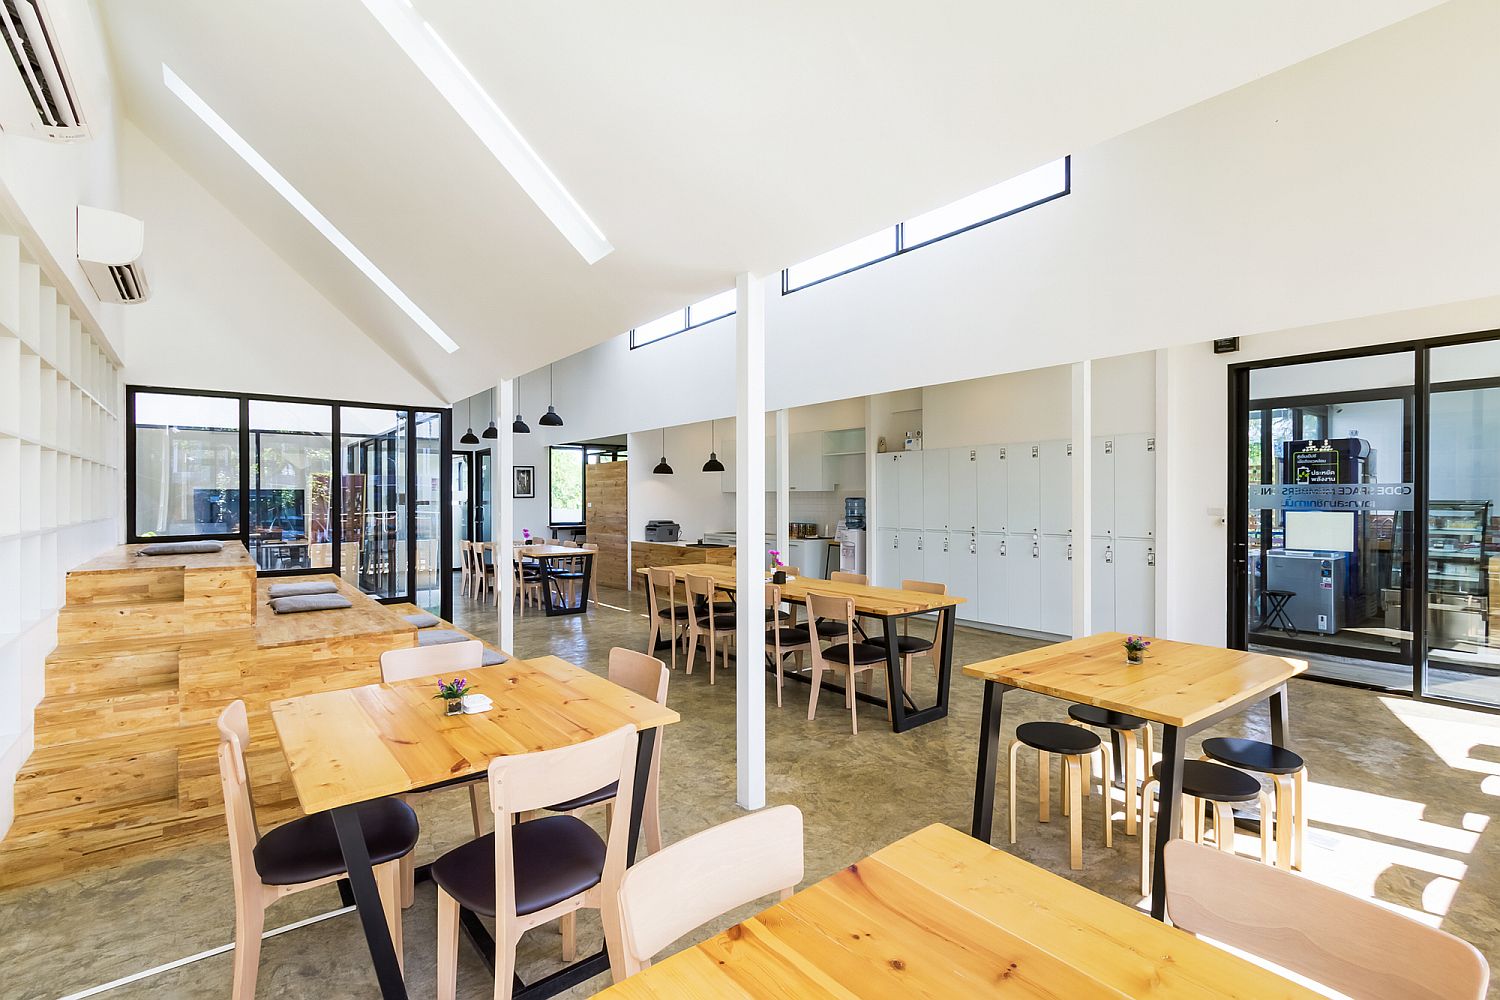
(607, 524)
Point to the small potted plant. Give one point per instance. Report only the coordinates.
(778, 568)
(1135, 648)
(452, 692)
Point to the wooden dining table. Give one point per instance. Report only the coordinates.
(889, 606)
(939, 914)
(350, 746)
(547, 558)
(1183, 686)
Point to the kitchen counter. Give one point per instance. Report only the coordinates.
(647, 554)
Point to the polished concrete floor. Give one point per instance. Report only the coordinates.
(1402, 797)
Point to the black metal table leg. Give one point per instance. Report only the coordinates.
(989, 754)
(367, 899)
(947, 620)
(1169, 816)
(895, 680)
(1280, 717)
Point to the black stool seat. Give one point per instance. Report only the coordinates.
(1253, 755)
(790, 636)
(905, 644)
(720, 621)
(1215, 782)
(1105, 719)
(838, 655)
(557, 857)
(604, 794)
(1057, 737)
(307, 849)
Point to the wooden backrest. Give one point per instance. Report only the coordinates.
(791, 570)
(640, 672)
(694, 880)
(838, 576)
(698, 586)
(1349, 944)
(831, 607)
(661, 585)
(523, 782)
(570, 544)
(923, 587)
(427, 661)
(239, 810)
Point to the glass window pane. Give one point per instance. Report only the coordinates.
(673, 322)
(847, 257)
(291, 476)
(1007, 196)
(373, 485)
(429, 509)
(566, 486)
(712, 308)
(187, 465)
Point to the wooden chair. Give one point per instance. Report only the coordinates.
(662, 606)
(1072, 744)
(302, 854)
(593, 571)
(530, 873)
(465, 570)
(709, 627)
(1220, 787)
(1288, 774)
(699, 878)
(646, 676)
(528, 585)
(847, 656)
(1128, 726)
(909, 646)
(1353, 946)
(783, 641)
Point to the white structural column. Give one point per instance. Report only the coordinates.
(1083, 495)
(750, 524)
(783, 482)
(503, 512)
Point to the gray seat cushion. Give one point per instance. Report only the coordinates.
(439, 636)
(180, 548)
(302, 589)
(310, 602)
(491, 658)
(423, 619)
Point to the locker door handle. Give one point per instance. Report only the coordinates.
(972, 550)
(895, 541)
(1002, 548)
(1070, 551)
(1109, 554)
(945, 545)
(919, 545)
(1035, 551)
(1150, 557)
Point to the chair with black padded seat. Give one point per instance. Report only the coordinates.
(1072, 744)
(646, 676)
(908, 646)
(1220, 787)
(1288, 773)
(1127, 726)
(708, 628)
(662, 606)
(301, 854)
(779, 613)
(533, 872)
(835, 629)
(783, 640)
(847, 655)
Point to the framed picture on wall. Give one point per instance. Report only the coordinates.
(525, 487)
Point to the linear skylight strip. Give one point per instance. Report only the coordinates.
(305, 208)
(426, 48)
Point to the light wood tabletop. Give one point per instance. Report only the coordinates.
(362, 743)
(1180, 684)
(867, 600)
(549, 551)
(939, 914)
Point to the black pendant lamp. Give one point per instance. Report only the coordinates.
(550, 418)
(469, 436)
(662, 468)
(491, 432)
(713, 464)
(519, 427)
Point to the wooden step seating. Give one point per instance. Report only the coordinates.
(150, 650)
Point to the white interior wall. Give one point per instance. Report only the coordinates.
(693, 498)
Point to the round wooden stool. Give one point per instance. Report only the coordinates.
(1288, 773)
(1072, 744)
(1127, 726)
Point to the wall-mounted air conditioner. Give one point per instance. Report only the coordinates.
(37, 96)
(109, 250)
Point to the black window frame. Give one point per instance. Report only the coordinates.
(688, 324)
(583, 493)
(411, 413)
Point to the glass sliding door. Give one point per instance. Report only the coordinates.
(185, 465)
(429, 509)
(373, 445)
(291, 485)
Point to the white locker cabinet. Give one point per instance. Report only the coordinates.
(963, 486)
(1102, 489)
(1135, 485)
(992, 590)
(935, 489)
(911, 564)
(1102, 587)
(909, 485)
(1023, 479)
(1023, 581)
(888, 573)
(887, 493)
(1056, 488)
(963, 573)
(1135, 586)
(990, 490)
(935, 558)
(1056, 584)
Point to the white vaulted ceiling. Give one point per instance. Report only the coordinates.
(703, 138)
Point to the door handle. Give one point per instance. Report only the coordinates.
(919, 545)
(895, 541)
(972, 550)
(1150, 557)
(1002, 547)
(945, 545)
(1109, 554)
(1070, 551)
(1035, 551)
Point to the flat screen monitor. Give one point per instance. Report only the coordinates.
(1319, 531)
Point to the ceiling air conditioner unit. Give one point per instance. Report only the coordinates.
(109, 250)
(38, 99)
